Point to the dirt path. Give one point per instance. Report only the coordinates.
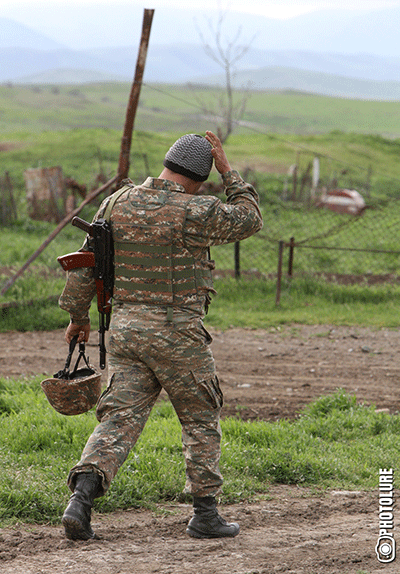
(264, 375)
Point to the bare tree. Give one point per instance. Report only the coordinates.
(226, 53)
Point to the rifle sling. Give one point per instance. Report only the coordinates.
(113, 200)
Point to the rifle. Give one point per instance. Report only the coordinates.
(103, 262)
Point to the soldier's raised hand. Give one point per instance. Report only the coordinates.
(220, 159)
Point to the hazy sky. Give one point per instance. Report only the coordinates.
(270, 8)
(81, 24)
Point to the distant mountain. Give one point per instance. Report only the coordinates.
(276, 78)
(183, 62)
(276, 59)
(16, 64)
(359, 76)
(361, 66)
(270, 78)
(186, 62)
(14, 34)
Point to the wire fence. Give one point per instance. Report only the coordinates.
(300, 237)
(309, 238)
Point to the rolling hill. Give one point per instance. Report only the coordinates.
(309, 53)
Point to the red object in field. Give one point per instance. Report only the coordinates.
(343, 201)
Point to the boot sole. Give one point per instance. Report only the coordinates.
(195, 534)
(74, 529)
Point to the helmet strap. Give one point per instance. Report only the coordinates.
(65, 373)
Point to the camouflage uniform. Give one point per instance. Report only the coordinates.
(157, 339)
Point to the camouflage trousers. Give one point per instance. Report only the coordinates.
(148, 354)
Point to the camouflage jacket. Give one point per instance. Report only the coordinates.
(205, 221)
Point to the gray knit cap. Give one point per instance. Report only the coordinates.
(190, 156)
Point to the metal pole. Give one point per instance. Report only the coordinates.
(123, 165)
(294, 192)
(291, 255)
(279, 274)
(237, 259)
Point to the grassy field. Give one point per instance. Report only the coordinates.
(335, 443)
(30, 115)
(84, 152)
(362, 162)
(240, 303)
(79, 128)
(169, 108)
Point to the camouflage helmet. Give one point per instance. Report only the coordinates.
(76, 392)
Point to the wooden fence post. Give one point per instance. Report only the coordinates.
(56, 231)
(8, 208)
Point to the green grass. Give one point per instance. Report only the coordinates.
(83, 153)
(240, 303)
(42, 282)
(334, 443)
(291, 112)
(175, 108)
(252, 304)
(80, 128)
(81, 137)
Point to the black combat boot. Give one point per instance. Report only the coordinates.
(207, 523)
(77, 516)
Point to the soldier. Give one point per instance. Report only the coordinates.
(162, 232)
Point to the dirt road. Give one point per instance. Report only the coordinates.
(264, 375)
